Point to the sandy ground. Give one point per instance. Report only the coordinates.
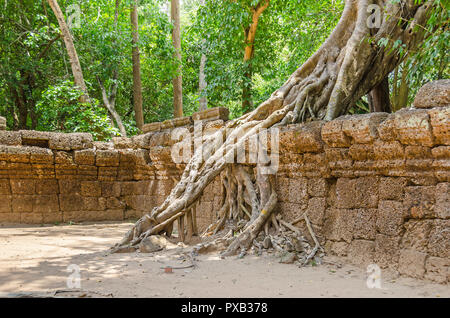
(36, 259)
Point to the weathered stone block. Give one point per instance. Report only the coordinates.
(364, 224)
(388, 150)
(301, 138)
(392, 188)
(387, 251)
(419, 201)
(69, 187)
(363, 129)
(94, 203)
(317, 187)
(22, 203)
(107, 173)
(5, 187)
(337, 248)
(412, 263)
(333, 134)
(151, 127)
(23, 186)
(361, 252)
(31, 218)
(437, 269)
(339, 224)
(71, 202)
(18, 154)
(9, 217)
(107, 158)
(10, 138)
(41, 155)
(417, 234)
(72, 141)
(298, 191)
(439, 240)
(440, 123)
(386, 129)
(433, 94)
(46, 204)
(316, 210)
(122, 143)
(114, 203)
(212, 114)
(110, 189)
(87, 172)
(357, 193)
(413, 127)
(63, 158)
(84, 157)
(91, 189)
(5, 204)
(390, 217)
(52, 217)
(442, 205)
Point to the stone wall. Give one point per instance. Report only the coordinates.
(376, 187)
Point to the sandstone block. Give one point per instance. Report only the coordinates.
(433, 94)
(437, 269)
(72, 141)
(301, 138)
(212, 114)
(357, 193)
(333, 134)
(84, 157)
(412, 263)
(390, 217)
(23, 186)
(10, 138)
(417, 234)
(442, 205)
(387, 251)
(413, 127)
(91, 189)
(107, 158)
(363, 129)
(440, 122)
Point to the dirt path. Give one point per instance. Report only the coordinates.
(35, 259)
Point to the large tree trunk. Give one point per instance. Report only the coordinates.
(346, 67)
(71, 51)
(379, 98)
(178, 79)
(137, 84)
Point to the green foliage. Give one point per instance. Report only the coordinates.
(60, 110)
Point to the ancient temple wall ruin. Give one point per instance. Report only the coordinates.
(376, 187)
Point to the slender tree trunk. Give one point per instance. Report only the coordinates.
(110, 105)
(137, 84)
(71, 51)
(378, 97)
(178, 80)
(250, 34)
(202, 77)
